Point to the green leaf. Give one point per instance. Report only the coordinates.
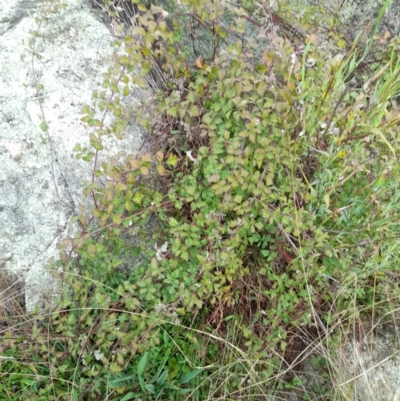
(185, 390)
(126, 90)
(189, 376)
(262, 68)
(142, 384)
(194, 111)
(150, 388)
(128, 205)
(173, 222)
(88, 157)
(129, 396)
(138, 198)
(162, 378)
(172, 160)
(74, 395)
(96, 142)
(220, 32)
(172, 111)
(43, 126)
(142, 364)
(117, 219)
(380, 133)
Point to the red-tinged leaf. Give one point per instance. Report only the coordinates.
(131, 179)
(160, 169)
(146, 157)
(145, 170)
(160, 156)
(134, 163)
(214, 178)
(91, 249)
(199, 62)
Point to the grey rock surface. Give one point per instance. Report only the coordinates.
(359, 11)
(72, 48)
(33, 219)
(365, 368)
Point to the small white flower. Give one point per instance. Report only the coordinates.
(160, 308)
(189, 155)
(175, 318)
(310, 62)
(98, 355)
(160, 251)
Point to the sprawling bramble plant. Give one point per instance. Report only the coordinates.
(264, 204)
